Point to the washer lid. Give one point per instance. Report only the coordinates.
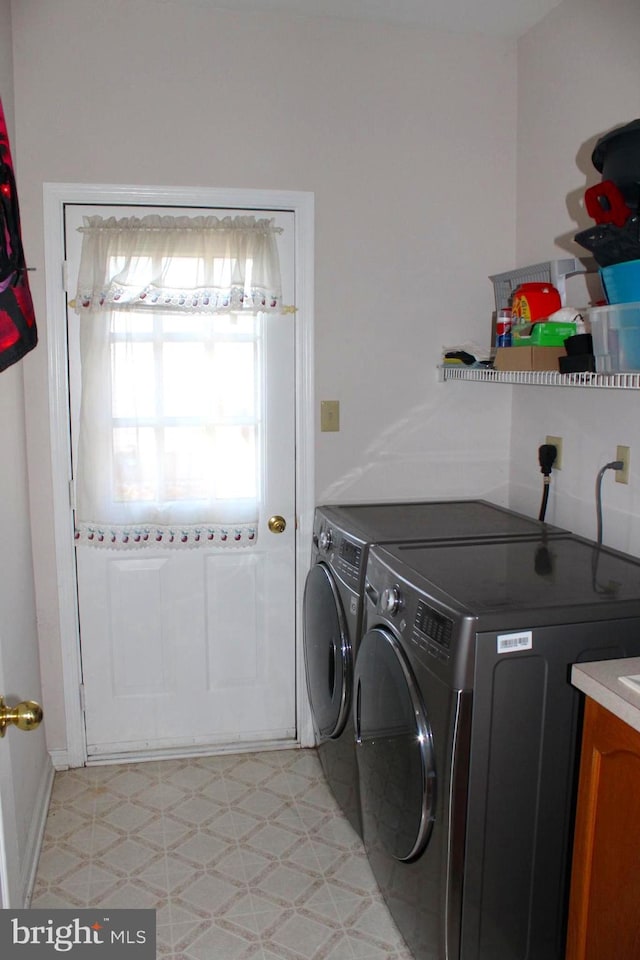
(566, 578)
(433, 520)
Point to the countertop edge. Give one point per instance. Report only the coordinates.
(601, 682)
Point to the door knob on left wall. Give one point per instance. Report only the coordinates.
(25, 716)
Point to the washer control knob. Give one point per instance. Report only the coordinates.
(390, 600)
(325, 540)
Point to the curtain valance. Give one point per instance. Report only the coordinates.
(197, 264)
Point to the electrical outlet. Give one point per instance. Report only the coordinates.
(624, 454)
(557, 443)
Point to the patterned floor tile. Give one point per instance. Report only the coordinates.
(200, 848)
(208, 894)
(128, 817)
(244, 857)
(217, 942)
(56, 863)
(63, 822)
(49, 898)
(303, 936)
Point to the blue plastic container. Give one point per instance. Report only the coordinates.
(621, 282)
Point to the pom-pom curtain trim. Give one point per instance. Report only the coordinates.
(203, 264)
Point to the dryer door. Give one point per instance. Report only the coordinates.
(394, 749)
(327, 652)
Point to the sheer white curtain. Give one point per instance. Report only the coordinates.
(171, 311)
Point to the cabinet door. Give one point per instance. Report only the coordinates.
(604, 919)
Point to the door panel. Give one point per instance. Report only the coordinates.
(26, 773)
(233, 652)
(190, 647)
(136, 641)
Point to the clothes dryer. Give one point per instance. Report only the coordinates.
(467, 731)
(333, 604)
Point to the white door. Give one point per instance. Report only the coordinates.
(195, 648)
(25, 774)
(25, 769)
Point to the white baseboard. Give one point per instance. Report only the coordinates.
(59, 759)
(36, 833)
(185, 752)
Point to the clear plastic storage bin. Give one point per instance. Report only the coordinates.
(615, 330)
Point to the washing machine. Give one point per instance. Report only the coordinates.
(467, 733)
(333, 604)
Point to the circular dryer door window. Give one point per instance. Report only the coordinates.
(327, 653)
(395, 749)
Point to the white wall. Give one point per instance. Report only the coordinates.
(578, 77)
(405, 136)
(6, 64)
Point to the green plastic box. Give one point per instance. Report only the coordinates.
(544, 334)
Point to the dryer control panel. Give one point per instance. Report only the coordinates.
(432, 631)
(348, 560)
(344, 553)
(428, 630)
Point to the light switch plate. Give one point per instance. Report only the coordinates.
(329, 415)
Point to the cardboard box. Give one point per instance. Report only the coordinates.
(528, 358)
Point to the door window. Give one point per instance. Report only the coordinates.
(171, 320)
(395, 750)
(327, 652)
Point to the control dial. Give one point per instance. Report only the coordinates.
(325, 540)
(390, 600)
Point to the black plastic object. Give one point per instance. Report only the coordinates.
(547, 455)
(610, 244)
(580, 358)
(579, 344)
(578, 363)
(462, 355)
(617, 157)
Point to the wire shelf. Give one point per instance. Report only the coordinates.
(543, 378)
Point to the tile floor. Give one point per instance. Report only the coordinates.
(244, 857)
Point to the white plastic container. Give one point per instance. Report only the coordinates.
(615, 330)
(554, 272)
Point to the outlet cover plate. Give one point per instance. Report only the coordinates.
(624, 454)
(557, 443)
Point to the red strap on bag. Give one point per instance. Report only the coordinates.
(18, 332)
(605, 204)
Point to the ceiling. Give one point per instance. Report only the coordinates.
(508, 18)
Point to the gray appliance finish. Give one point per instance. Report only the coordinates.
(467, 732)
(333, 605)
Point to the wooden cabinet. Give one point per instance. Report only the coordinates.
(604, 910)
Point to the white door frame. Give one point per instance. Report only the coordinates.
(55, 196)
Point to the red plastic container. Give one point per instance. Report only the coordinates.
(534, 301)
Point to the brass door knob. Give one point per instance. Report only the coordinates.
(25, 716)
(277, 524)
